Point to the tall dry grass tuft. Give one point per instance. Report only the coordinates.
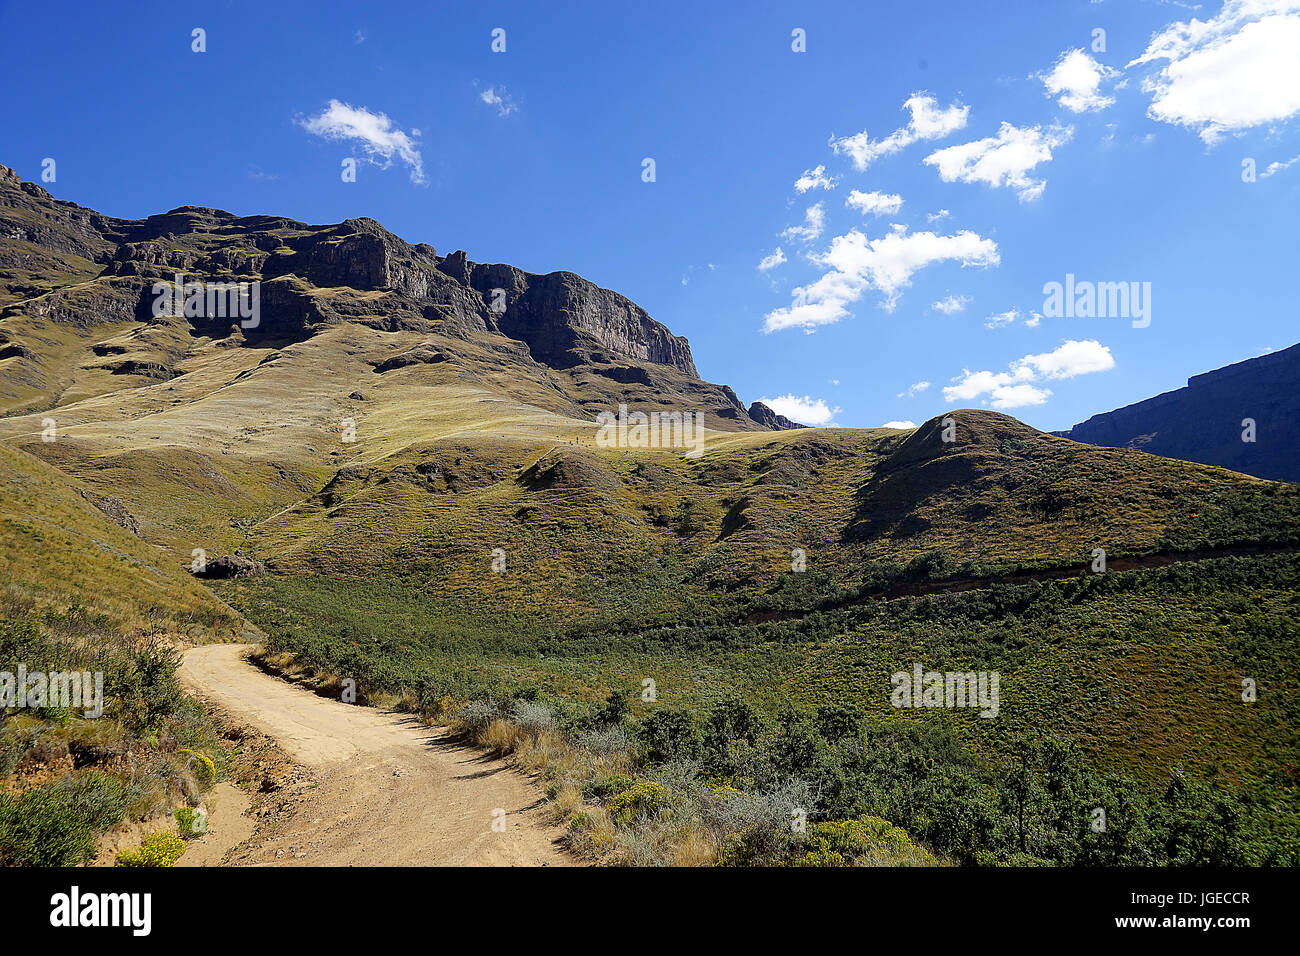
(502, 737)
(696, 846)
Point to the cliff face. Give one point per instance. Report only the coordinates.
(1204, 421)
(566, 320)
(563, 319)
(770, 419)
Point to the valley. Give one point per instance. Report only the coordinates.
(436, 509)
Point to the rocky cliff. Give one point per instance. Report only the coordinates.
(562, 318)
(1207, 421)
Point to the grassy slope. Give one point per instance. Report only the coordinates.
(58, 549)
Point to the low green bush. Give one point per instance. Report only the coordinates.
(44, 827)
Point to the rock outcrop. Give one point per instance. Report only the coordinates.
(231, 566)
(770, 419)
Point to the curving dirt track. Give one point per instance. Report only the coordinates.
(391, 791)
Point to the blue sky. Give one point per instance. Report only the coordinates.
(1016, 159)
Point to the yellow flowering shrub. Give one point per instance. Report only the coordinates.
(158, 849)
(867, 841)
(643, 798)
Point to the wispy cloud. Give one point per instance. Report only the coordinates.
(929, 121)
(814, 179)
(814, 222)
(1278, 167)
(952, 304)
(500, 98)
(772, 261)
(874, 203)
(855, 264)
(913, 390)
(374, 132)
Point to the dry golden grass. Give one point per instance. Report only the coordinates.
(695, 846)
(502, 737)
(566, 803)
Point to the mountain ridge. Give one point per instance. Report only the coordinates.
(69, 264)
(1209, 419)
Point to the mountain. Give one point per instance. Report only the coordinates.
(1209, 420)
(77, 307)
(405, 450)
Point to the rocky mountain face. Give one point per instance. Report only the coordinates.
(1210, 421)
(71, 269)
(770, 419)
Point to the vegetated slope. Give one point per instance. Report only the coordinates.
(421, 476)
(63, 546)
(212, 426)
(1206, 421)
(79, 592)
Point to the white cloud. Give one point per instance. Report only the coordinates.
(1071, 358)
(501, 99)
(952, 304)
(1236, 71)
(772, 261)
(916, 388)
(1076, 82)
(1002, 160)
(1016, 388)
(903, 424)
(805, 411)
(928, 121)
(874, 203)
(814, 179)
(1001, 319)
(855, 264)
(1033, 320)
(359, 37)
(814, 223)
(374, 131)
(936, 216)
(1278, 167)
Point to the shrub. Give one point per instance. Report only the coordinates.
(644, 798)
(605, 785)
(610, 739)
(44, 828)
(475, 717)
(150, 690)
(200, 767)
(533, 716)
(670, 735)
(158, 849)
(190, 823)
(98, 798)
(868, 841)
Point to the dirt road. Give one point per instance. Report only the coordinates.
(391, 791)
